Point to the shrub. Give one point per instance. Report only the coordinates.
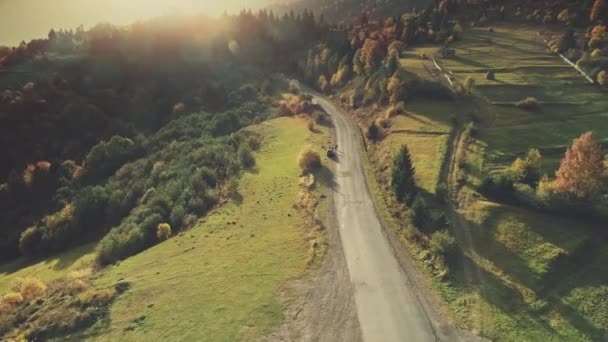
(442, 192)
(396, 109)
(529, 103)
(118, 245)
(528, 170)
(30, 288)
(497, 186)
(373, 132)
(323, 84)
(232, 189)
(602, 78)
(311, 125)
(246, 157)
(420, 213)
(177, 216)
(469, 84)
(442, 243)
(308, 160)
(12, 299)
(163, 231)
(30, 242)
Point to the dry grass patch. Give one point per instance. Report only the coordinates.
(35, 311)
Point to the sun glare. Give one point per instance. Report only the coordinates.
(41, 16)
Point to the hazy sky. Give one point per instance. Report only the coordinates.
(27, 19)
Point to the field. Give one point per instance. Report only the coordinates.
(536, 276)
(425, 129)
(523, 68)
(220, 280)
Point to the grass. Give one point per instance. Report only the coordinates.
(219, 281)
(425, 129)
(48, 269)
(523, 69)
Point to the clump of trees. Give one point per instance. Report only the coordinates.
(577, 190)
(423, 211)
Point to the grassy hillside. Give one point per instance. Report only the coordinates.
(219, 281)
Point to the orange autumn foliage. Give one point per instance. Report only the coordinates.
(581, 170)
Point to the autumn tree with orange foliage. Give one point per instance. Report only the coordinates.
(371, 55)
(581, 170)
(599, 8)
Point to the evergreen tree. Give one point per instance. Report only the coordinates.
(373, 132)
(403, 182)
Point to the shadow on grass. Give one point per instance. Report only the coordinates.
(560, 282)
(62, 261)
(325, 176)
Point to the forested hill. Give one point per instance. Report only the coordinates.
(113, 126)
(347, 12)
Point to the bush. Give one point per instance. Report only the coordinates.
(420, 213)
(396, 109)
(602, 78)
(498, 186)
(309, 160)
(177, 216)
(311, 125)
(118, 245)
(442, 243)
(527, 170)
(529, 103)
(30, 288)
(246, 157)
(163, 231)
(12, 299)
(30, 242)
(373, 132)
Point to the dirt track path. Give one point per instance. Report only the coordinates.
(461, 228)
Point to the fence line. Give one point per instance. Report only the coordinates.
(569, 62)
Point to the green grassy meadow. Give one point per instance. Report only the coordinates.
(524, 68)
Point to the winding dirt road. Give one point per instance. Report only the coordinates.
(388, 309)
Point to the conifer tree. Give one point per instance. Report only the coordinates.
(403, 182)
